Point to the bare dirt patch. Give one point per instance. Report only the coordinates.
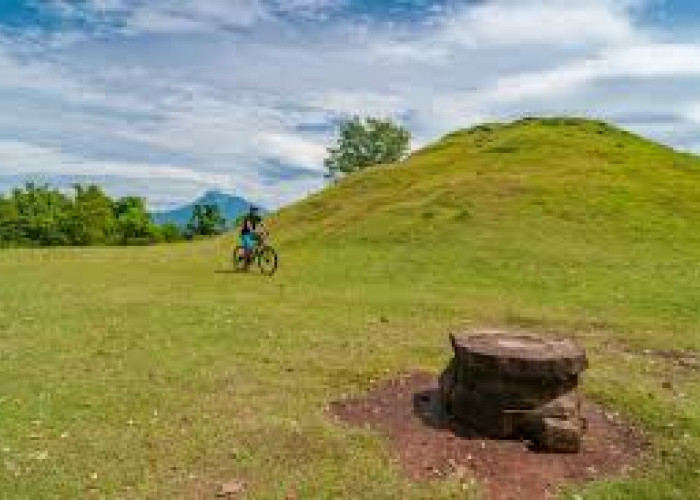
(430, 446)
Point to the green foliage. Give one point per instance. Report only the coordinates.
(366, 142)
(92, 219)
(41, 216)
(35, 216)
(170, 233)
(134, 224)
(206, 221)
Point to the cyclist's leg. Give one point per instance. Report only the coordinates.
(248, 244)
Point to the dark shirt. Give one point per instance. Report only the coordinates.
(250, 223)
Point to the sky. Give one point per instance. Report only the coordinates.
(167, 99)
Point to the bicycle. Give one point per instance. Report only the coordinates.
(262, 254)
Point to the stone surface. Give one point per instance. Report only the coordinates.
(508, 386)
(519, 356)
(560, 435)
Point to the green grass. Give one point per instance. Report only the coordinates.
(145, 373)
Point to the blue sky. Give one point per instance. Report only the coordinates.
(169, 98)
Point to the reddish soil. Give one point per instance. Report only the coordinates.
(430, 446)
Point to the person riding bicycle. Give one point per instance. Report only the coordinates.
(252, 229)
(254, 248)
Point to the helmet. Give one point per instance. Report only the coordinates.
(254, 209)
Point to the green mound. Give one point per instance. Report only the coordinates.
(533, 176)
(569, 212)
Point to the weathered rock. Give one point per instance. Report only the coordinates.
(507, 386)
(560, 435)
(519, 357)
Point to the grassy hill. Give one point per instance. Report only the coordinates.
(568, 213)
(153, 373)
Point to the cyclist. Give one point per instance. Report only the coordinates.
(252, 230)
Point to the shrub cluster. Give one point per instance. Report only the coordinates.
(40, 216)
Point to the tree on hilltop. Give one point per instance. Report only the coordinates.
(366, 142)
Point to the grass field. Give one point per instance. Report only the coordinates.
(154, 373)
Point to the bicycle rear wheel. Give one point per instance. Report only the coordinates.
(240, 262)
(267, 260)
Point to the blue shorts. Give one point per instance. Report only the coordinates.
(249, 241)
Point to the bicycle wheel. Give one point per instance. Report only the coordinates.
(240, 263)
(267, 260)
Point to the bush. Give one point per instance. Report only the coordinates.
(39, 216)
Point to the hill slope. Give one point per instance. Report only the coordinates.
(231, 208)
(561, 209)
(534, 175)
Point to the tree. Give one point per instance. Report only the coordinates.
(9, 235)
(93, 217)
(134, 223)
(36, 216)
(206, 221)
(365, 142)
(170, 233)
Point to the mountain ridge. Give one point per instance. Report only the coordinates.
(231, 208)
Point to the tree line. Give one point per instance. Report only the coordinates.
(40, 215)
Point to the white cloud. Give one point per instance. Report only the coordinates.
(553, 22)
(31, 159)
(644, 61)
(288, 148)
(370, 103)
(194, 15)
(138, 17)
(516, 25)
(232, 93)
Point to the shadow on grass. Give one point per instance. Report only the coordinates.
(249, 272)
(229, 271)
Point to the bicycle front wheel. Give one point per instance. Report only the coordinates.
(267, 260)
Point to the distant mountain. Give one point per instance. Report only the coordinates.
(231, 208)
